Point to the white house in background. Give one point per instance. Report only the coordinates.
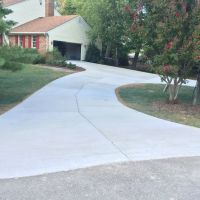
(39, 28)
(26, 10)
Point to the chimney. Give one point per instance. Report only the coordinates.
(49, 8)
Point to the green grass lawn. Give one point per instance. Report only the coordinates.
(150, 99)
(16, 86)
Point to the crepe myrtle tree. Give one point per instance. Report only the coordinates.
(196, 41)
(168, 29)
(174, 42)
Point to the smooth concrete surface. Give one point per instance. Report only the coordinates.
(173, 179)
(77, 121)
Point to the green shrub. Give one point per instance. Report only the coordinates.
(2, 62)
(12, 57)
(123, 59)
(13, 66)
(18, 54)
(93, 54)
(108, 61)
(55, 58)
(40, 59)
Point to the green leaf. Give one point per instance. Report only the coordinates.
(2, 62)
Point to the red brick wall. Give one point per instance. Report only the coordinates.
(26, 41)
(12, 40)
(42, 46)
(29, 41)
(49, 8)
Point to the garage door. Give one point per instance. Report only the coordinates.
(71, 51)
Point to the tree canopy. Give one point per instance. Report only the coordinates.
(5, 25)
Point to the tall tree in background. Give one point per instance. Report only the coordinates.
(5, 25)
(112, 27)
(135, 32)
(107, 19)
(70, 7)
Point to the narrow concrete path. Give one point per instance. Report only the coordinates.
(77, 121)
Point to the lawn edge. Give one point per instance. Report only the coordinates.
(47, 68)
(130, 107)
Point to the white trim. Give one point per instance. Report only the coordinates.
(19, 42)
(32, 42)
(28, 33)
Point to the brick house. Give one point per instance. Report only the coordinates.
(66, 33)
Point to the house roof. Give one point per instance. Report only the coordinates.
(42, 24)
(11, 2)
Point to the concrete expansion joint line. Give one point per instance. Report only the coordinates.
(93, 125)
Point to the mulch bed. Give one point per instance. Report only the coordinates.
(63, 69)
(185, 109)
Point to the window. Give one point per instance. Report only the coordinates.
(34, 41)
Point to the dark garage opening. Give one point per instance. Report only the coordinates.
(71, 51)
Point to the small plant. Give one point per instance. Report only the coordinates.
(71, 65)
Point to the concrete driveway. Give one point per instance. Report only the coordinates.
(77, 121)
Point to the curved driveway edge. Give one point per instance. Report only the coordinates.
(77, 121)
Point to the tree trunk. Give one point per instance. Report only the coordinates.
(174, 91)
(135, 59)
(108, 49)
(168, 82)
(116, 58)
(5, 39)
(173, 86)
(196, 98)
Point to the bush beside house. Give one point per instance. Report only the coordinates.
(13, 58)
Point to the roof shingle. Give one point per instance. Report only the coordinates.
(10, 2)
(42, 24)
